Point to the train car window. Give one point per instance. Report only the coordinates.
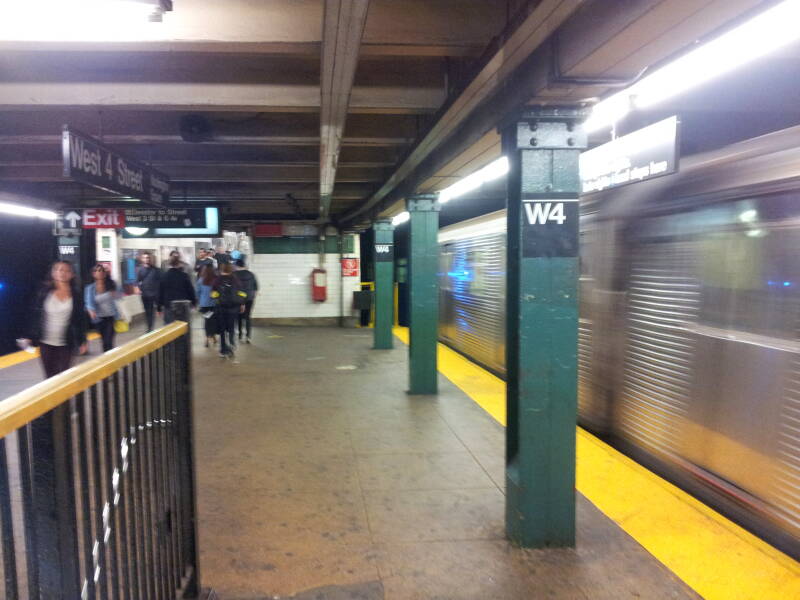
(747, 268)
(477, 264)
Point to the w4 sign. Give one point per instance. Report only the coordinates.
(539, 213)
(550, 228)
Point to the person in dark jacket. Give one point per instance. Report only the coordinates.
(58, 322)
(249, 285)
(175, 285)
(230, 297)
(203, 259)
(148, 277)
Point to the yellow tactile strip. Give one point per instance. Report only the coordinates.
(15, 358)
(714, 556)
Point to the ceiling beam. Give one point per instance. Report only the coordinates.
(394, 99)
(342, 29)
(212, 153)
(537, 27)
(226, 140)
(292, 27)
(10, 171)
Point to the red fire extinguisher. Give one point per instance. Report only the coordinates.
(319, 285)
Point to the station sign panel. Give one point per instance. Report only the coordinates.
(89, 161)
(165, 217)
(384, 252)
(644, 154)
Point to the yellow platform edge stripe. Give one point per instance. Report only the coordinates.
(715, 557)
(15, 358)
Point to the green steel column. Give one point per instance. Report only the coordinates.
(423, 293)
(542, 328)
(384, 283)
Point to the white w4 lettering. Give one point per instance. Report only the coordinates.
(540, 213)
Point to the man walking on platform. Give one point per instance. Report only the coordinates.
(148, 278)
(249, 285)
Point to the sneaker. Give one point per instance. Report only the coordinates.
(248, 340)
(223, 355)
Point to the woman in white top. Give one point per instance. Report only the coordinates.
(58, 325)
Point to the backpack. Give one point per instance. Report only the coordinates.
(230, 293)
(248, 282)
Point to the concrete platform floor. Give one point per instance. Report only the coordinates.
(320, 478)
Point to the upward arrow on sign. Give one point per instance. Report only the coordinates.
(73, 218)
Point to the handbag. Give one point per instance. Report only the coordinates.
(121, 326)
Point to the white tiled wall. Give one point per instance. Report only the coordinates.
(284, 282)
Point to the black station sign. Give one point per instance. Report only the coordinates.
(89, 161)
(172, 218)
(550, 227)
(384, 252)
(644, 154)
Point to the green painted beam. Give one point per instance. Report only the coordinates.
(384, 284)
(542, 325)
(423, 293)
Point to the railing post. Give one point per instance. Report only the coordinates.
(52, 505)
(186, 460)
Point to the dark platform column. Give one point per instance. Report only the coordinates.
(423, 293)
(542, 328)
(384, 283)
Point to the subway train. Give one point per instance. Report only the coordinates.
(689, 329)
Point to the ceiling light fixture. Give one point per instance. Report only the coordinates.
(475, 180)
(24, 211)
(766, 32)
(79, 20)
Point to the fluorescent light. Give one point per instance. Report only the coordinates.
(77, 20)
(474, 228)
(772, 29)
(24, 211)
(475, 180)
(401, 218)
(137, 230)
(748, 216)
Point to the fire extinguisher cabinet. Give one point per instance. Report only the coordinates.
(319, 285)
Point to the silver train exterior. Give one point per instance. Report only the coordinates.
(689, 333)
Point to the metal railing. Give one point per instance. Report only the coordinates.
(97, 487)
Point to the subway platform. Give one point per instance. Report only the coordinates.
(319, 477)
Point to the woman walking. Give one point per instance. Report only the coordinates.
(205, 282)
(100, 298)
(58, 323)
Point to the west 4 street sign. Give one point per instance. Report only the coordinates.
(89, 161)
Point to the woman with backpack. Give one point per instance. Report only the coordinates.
(230, 298)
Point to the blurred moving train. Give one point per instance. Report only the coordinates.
(689, 331)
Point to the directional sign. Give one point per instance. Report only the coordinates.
(644, 154)
(165, 217)
(68, 224)
(89, 161)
